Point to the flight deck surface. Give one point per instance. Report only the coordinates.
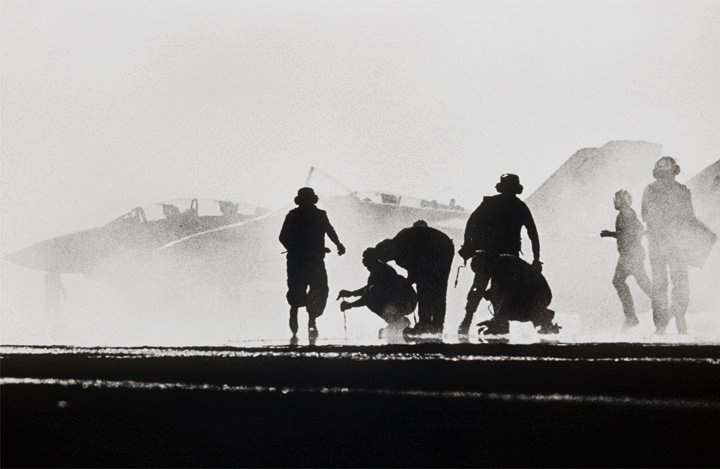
(338, 404)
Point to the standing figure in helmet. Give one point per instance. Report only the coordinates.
(303, 235)
(666, 208)
(494, 227)
(426, 254)
(629, 233)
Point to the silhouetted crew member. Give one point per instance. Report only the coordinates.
(666, 207)
(426, 254)
(519, 292)
(628, 232)
(495, 227)
(387, 294)
(303, 235)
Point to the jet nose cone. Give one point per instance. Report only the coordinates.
(40, 256)
(65, 254)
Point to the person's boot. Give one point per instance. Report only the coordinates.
(494, 327)
(464, 328)
(418, 330)
(551, 328)
(661, 317)
(435, 328)
(543, 321)
(394, 329)
(630, 322)
(312, 329)
(681, 324)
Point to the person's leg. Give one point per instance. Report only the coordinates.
(658, 266)
(440, 286)
(438, 304)
(425, 298)
(637, 270)
(474, 296)
(501, 316)
(296, 294)
(542, 319)
(395, 315)
(680, 292)
(318, 292)
(623, 291)
(499, 324)
(294, 320)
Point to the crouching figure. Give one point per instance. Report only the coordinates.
(387, 294)
(518, 292)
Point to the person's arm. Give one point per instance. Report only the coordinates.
(285, 233)
(473, 225)
(345, 305)
(348, 293)
(644, 210)
(613, 234)
(533, 235)
(333, 236)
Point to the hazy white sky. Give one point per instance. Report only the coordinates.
(106, 105)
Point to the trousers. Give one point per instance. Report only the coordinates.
(662, 261)
(307, 284)
(631, 265)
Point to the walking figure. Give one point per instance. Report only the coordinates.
(667, 208)
(426, 254)
(494, 228)
(631, 261)
(303, 235)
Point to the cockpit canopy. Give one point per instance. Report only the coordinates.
(406, 201)
(200, 208)
(174, 219)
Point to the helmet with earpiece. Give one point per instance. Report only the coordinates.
(666, 165)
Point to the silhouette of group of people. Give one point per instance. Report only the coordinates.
(492, 243)
(676, 239)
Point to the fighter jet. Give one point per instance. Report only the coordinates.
(131, 236)
(221, 242)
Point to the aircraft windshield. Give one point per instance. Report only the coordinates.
(198, 207)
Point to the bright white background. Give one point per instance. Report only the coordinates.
(106, 105)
